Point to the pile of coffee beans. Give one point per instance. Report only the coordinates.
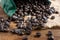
(22, 29)
(4, 25)
(38, 10)
(30, 15)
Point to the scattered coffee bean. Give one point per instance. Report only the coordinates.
(17, 31)
(53, 17)
(56, 12)
(50, 38)
(49, 33)
(4, 25)
(25, 38)
(38, 34)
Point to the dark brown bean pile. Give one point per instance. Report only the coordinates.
(39, 10)
(4, 25)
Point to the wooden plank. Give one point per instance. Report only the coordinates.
(9, 36)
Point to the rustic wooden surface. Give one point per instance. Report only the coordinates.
(9, 36)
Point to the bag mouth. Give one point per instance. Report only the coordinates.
(8, 6)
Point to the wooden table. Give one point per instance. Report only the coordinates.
(9, 36)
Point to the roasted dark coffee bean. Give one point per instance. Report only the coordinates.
(45, 21)
(18, 31)
(49, 12)
(29, 27)
(53, 17)
(4, 25)
(14, 18)
(7, 23)
(56, 12)
(38, 34)
(17, 21)
(10, 19)
(12, 31)
(3, 29)
(27, 32)
(21, 19)
(25, 13)
(52, 9)
(50, 38)
(20, 25)
(25, 38)
(49, 33)
(1, 19)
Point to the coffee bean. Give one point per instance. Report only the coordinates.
(37, 34)
(56, 12)
(53, 17)
(50, 38)
(25, 38)
(17, 31)
(49, 33)
(52, 9)
(27, 32)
